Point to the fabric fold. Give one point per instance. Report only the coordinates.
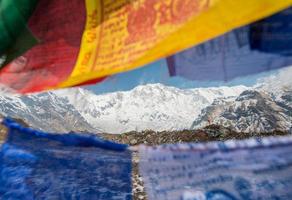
(232, 170)
(39, 165)
(259, 47)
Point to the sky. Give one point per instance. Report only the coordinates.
(157, 72)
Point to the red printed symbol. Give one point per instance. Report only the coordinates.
(141, 20)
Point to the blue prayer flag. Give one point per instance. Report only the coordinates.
(232, 170)
(273, 34)
(262, 46)
(38, 165)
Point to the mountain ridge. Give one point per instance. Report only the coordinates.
(148, 107)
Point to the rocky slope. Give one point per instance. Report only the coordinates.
(262, 108)
(45, 111)
(251, 111)
(149, 107)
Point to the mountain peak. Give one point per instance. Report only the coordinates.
(150, 107)
(251, 111)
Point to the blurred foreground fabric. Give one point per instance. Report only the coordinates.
(83, 41)
(37, 165)
(261, 46)
(232, 170)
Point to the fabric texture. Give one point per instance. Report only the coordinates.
(124, 35)
(232, 170)
(15, 36)
(259, 47)
(59, 26)
(38, 165)
(83, 41)
(274, 34)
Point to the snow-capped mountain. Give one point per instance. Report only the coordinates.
(153, 107)
(251, 111)
(265, 107)
(156, 107)
(45, 111)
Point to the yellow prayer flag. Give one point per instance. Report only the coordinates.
(126, 34)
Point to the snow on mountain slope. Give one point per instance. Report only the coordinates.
(44, 111)
(265, 107)
(277, 83)
(251, 111)
(154, 106)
